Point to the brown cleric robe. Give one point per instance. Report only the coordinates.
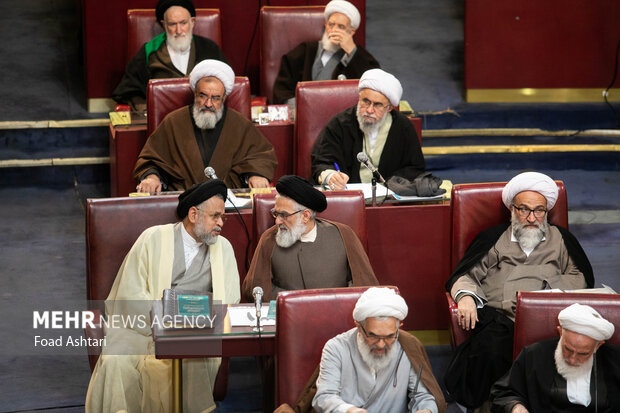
(173, 151)
(260, 271)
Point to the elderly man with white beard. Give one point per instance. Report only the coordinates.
(206, 133)
(302, 251)
(526, 254)
(577, 372)
(171, 54)
(386, 136)
(335, 55)
(375, 367)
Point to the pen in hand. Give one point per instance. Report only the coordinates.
(338, 170)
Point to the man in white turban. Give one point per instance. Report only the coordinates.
(206, 133)
(333, 57)
(374, 367)
(525, 254)
(575, 372)
(386, 136)
(171, 54)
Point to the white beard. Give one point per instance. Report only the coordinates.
(205, 119)
(567, 371)
(528, 238)
(374, 361)
(369, 127)
(179, 43)
(328, 45)
(287, 237)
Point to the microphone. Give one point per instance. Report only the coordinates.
(342, 77)
(210, 173)
(363, 158)
(257, 293)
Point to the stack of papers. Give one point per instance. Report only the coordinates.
(246, 316)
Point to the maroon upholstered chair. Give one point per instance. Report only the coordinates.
(317, 103)
(142, 26)
(282, 29)
(537, 314)
(306, 320)
(346, 207)
(165, 95)
(107, 245)
(476, 207)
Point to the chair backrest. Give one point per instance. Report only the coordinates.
(476, 207)
(306, 320)
(317, 103)
(537, 314)
(346, 207)
(142, 26)
(165, 95)
(107, 245)
(281, 30)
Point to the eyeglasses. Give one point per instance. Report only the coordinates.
(373, 338)
(377, 105)
(216, 216)
(214, 99)
(525, 212)
(276, 214)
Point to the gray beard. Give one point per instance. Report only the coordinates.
(285, 237)
(206, 237)
(369, 127)
(207, 119)
(570, 372)
(528, 238)
(327, 44)
(375, 362)
(179, 43)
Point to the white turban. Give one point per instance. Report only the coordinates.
(346, 8)
(215, 68)
(531, 181)
(382, 82)
(380, 302)
(585, 320)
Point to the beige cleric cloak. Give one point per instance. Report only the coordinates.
(127, 376)
(417, 356)
(260, 269)
(173, 150)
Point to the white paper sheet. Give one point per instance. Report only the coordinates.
(246, 316)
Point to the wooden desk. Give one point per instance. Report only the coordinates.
(227, 342)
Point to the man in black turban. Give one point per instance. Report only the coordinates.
(172, 54)
(189, 255)
(301, 251)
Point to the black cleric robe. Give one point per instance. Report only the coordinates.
(296, 66)
(534, 382)
(342, 139)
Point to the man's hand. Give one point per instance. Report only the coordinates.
(150, 184)
(423, 411)
(467, 312)
(284, 408)
(519, 408)
(256, 181)
(357, 410)
(338, 181)
(343, 38)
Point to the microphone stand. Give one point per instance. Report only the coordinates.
(374, 191)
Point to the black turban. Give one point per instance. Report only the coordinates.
(302, 192)
(199, 193)
(163, 5)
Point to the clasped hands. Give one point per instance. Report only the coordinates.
(152, 183)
